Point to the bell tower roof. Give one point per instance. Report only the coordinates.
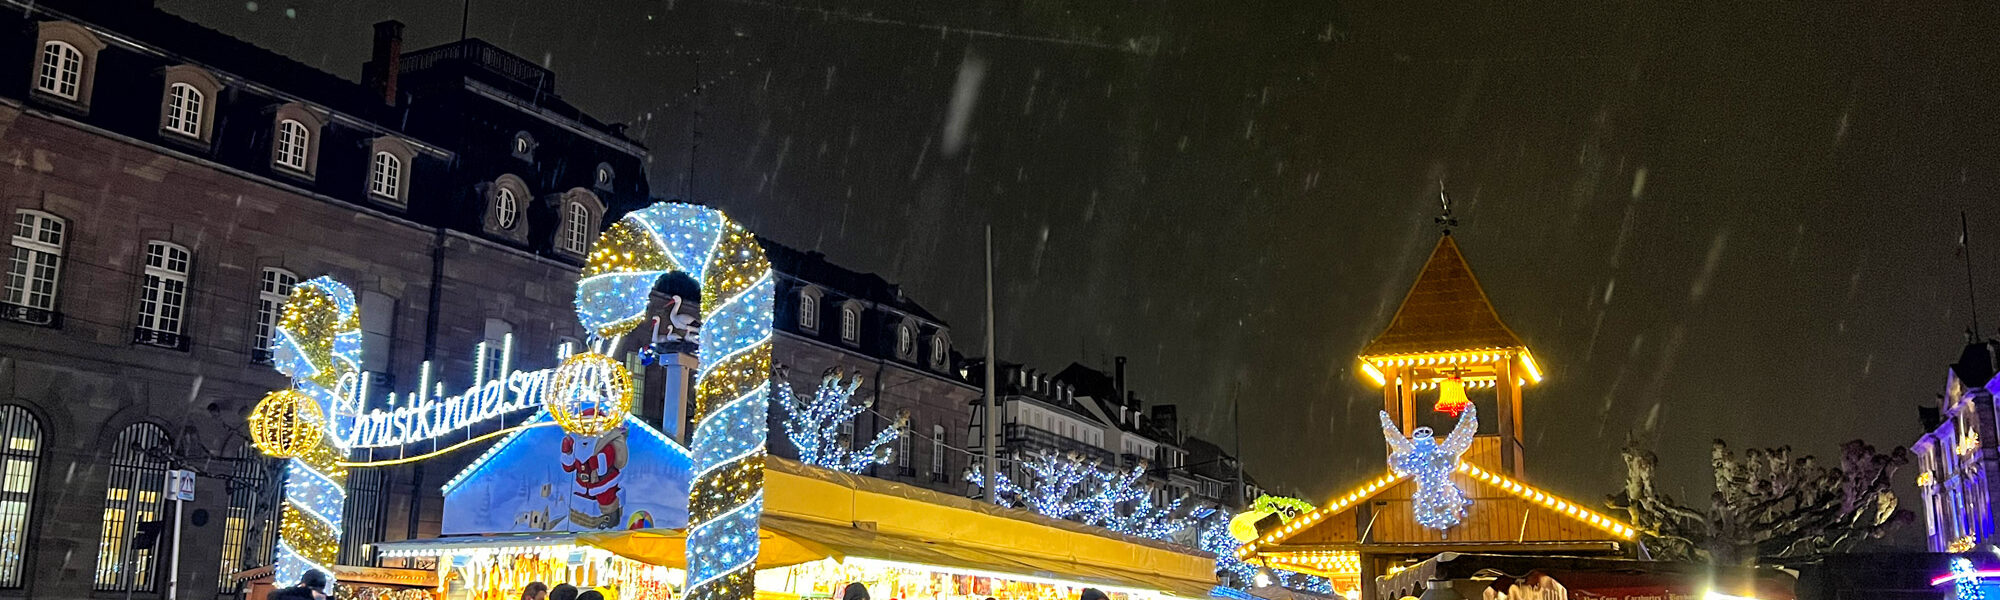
(1445, 311)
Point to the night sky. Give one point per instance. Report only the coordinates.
(1732, 220)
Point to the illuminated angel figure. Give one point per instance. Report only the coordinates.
(1439, 504)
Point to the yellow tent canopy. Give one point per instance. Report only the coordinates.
(812, 514)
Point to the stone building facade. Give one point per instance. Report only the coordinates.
(167, 184)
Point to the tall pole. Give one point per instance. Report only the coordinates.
(174, 563)
(1236, 423)
(464, 17)
(990, 423)
(1965, 252)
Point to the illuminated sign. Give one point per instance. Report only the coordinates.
(428, 413)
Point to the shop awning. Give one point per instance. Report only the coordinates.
(787, 542)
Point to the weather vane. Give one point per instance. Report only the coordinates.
(1445, 221)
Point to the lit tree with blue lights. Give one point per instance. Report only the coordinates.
(1068, 486)
(1217, 539)
(814, 426)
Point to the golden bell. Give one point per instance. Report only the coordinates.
(1451, 397)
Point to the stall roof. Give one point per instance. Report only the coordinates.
(813, 514)
(788, 541)
(1599, 575)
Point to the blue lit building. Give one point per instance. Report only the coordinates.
(1954, 462)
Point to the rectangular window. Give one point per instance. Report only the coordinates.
(272, 292)
(163, 299)
(34, 265)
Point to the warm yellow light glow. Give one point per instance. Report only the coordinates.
(1528, 361)
(1374, 374)
(1552, 502)
(1924, 478)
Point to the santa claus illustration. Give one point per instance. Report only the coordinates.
(596, 463)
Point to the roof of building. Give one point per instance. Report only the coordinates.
(1445, 311)
(1553, 517)
(1976, 364)
(813, 267)
(1103, 388)
(164, 32)
(495, 66)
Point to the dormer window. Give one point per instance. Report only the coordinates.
(506, 202)
(524, 146)
(808, 309)
(187, 105)
(850, 324)
(295, 131)
(579, 228)
(293, 139)
(62, 71)
(184, 104)
(939, 348)
(386, 180)
(579, 210)
(65, 64)
(390, 167)
(604, 176)
(506, 208)
(906, 343)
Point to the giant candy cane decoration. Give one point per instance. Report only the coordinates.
(734, 380)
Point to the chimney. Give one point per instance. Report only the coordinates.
(1118, 377)
(1165, 418)
(386, 62)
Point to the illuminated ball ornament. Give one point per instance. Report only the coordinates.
(286, 424)
(590, 394)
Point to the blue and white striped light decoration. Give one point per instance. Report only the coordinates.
(732, 392)
(318, 345)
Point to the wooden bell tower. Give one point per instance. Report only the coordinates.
(1447, 329)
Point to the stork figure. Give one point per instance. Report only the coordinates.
(1438, 503)
(680, 326)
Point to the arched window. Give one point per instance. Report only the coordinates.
(579, 228)
(808, 310)
(604, 176)
(133, 494)
(62, 70)
(250, 489)
(506, 208)
(184, 110)
(906, 344)
(386, 180)
(937, 454)
(20, 457)
(293, 140)
(939, 348)
(524, 146)
(163, 300)
(272, 291)
(850, 324)
(35, 266)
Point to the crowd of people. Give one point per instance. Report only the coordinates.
(562, 591)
